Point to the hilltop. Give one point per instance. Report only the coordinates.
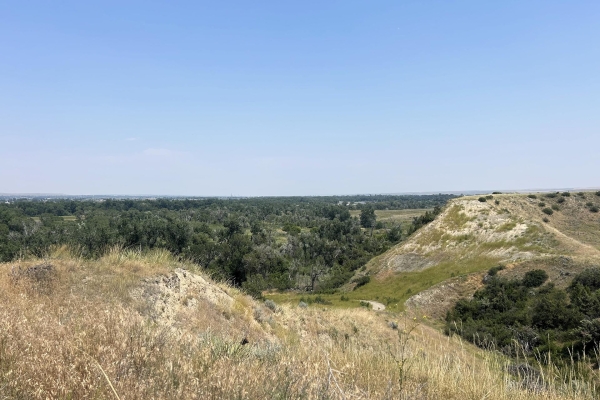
(559, 232)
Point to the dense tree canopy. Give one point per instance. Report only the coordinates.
(526, 316)
(258, 243)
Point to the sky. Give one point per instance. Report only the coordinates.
(304, 97)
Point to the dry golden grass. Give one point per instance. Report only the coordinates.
(79, 334)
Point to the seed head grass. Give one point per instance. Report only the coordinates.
(86, 338)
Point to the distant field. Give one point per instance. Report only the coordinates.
(65, 218)
(395, 215)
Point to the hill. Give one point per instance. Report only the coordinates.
(135, 325)
(558, 232)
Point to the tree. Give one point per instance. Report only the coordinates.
(535, 278)
(368, 218)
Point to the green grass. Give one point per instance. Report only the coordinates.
(455, 218)
(394, 290)
(508, 226)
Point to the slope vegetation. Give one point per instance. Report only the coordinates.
(473, 234)
(143, 325)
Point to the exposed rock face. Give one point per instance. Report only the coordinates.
(410, 262)
(165, 296)
(468, 228)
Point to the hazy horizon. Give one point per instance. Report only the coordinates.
(455, 192)
(312, 98)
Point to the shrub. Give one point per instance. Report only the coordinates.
(560, 200)
(589, 204)
(482, 199)
(254, 286)
(365, 304)
(545, 219)
(532, 196)
(548, 211)
(489, 197)
(494, 270)
(344, 298)
(270, 304)
(555, 207)
(302, 304)
(542, 204)
(565, 194)
(589, 331)
(589, 278)
(535, 278)
(594, 209)
(581, 194)
(395, 233)
(598, 193)
(497, 202)
(320, 300)
(363, 280)
(551, 195)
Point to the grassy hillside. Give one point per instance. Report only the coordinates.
(469, 237)
(472, 235)
(142, 325)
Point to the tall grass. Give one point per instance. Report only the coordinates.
(68, 343)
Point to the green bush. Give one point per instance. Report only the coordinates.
(589, 204)
(590, 279)
(521, 315)
(532, 196)
(555, 207)
(548, 211)
(363, 280)
(535, 278)
(594, 209)
(560, 200)
(545, 219)
(494, 270)
(598, 193)
(542, 204)
(254, 286)
(551, 195)
(395, 234)
(482, 199)
(565, 194)
(293, 230)
(489, 197)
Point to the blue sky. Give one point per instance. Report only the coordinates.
(298, 98)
